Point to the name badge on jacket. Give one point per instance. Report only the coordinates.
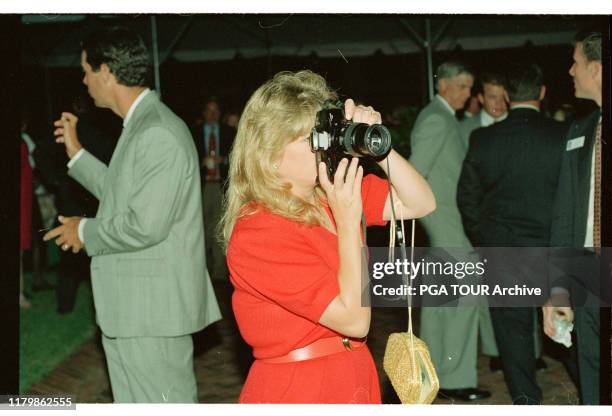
(576, 143)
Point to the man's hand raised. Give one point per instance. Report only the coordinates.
(65, 132)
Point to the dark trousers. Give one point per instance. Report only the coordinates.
(514, 335)
(588, 343)
(73, 268)
(586, 296)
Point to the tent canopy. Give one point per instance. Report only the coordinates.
(53, 40)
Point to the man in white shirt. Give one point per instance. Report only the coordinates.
(150, 284)
(493, 105)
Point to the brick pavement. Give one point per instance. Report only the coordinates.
(222, 360)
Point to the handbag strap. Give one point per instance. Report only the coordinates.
(392, 238)
(392, 230)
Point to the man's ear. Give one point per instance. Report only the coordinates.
(442, 85)
(506, 97)
(595, 69)
(107, 75)
(480, 98)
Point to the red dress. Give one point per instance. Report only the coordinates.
(284, 276)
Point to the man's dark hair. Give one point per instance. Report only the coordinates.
(123, 51)
(591, 44)
(492, 78)
(211, 99)
(524, 82)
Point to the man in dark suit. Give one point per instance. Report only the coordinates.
(213, 142)
(577, 219)
(505, 195)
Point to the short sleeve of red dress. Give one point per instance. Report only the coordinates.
(374, 191)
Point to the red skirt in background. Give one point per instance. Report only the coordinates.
(26, 200)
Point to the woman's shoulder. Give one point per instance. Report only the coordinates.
(259, 225)
(258, 216)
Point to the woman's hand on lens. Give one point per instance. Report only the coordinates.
(344, 195)
(360, 113)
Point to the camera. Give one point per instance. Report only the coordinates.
(334, 137)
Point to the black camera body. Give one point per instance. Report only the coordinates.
(334, 137)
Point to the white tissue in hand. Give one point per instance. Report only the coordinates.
(563, 332)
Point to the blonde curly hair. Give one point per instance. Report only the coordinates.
(278, 112)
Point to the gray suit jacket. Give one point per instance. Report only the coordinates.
(467, 126)
(438, 150)
(148, 268)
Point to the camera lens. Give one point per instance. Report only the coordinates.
(360, 139)
(377, 140)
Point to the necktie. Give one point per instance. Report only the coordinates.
(597, 191)
(211, 165)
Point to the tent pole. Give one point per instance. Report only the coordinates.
(423, 44)
(428, 51)
(155, 54)
(48, 94)
(176, 40)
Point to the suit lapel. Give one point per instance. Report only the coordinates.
(581, 169)
(463, 142)
(441, 108)
(580, 184)
(129, 130)
(141, 109)
(118, 152)
(583, 160)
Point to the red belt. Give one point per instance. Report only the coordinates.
(319, 348)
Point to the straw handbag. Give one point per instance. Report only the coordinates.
(407, 361)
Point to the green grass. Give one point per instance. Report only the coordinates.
(47, 338)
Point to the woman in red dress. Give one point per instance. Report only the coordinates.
(294, 247)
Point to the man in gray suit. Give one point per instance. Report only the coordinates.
(150, 285)
(493, 105)
(438, 150)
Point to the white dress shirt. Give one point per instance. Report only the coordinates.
(529, 106)
(487, 119)
(588, 240)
